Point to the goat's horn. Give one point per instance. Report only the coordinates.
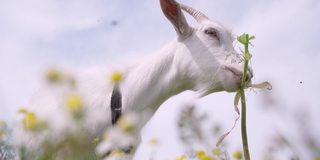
(199, 16)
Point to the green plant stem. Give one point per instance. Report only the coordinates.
(244, 126)
(243, 105)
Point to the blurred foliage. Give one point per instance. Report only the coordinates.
(7, 151)
(280, 146)
(117, 142)
(305, 145)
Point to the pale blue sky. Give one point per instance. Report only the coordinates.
(77, 34)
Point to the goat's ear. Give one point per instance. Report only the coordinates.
(172, 11)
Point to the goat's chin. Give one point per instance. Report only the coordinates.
(231, 82)
(232, 87)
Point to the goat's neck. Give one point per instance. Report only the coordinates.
(149, 84)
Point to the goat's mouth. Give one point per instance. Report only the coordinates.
(238, 74)
(238, 78)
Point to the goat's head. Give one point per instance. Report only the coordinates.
(205, 54)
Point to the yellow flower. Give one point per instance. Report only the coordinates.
(153, 142)
(237, 154)
(183, 157)
(75, 106)
(74, 103)
(96, 141)
(22, 110)
(53, 75)
(116, 77)
(31, 121)
(216, 151)
(202, 155)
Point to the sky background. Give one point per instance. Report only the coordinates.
(80, 34)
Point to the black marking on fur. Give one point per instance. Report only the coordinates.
(116, 104)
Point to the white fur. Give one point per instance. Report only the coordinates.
(194, 61)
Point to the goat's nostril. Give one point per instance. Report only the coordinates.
(248, 78)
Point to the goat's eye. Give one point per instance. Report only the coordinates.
(211, 32)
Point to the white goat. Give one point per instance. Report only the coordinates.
(200, 59)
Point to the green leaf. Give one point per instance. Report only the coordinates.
(221, 138)
(236, 102)
(243, 39)
(252, 37)
(263, 85)
(247, 56)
